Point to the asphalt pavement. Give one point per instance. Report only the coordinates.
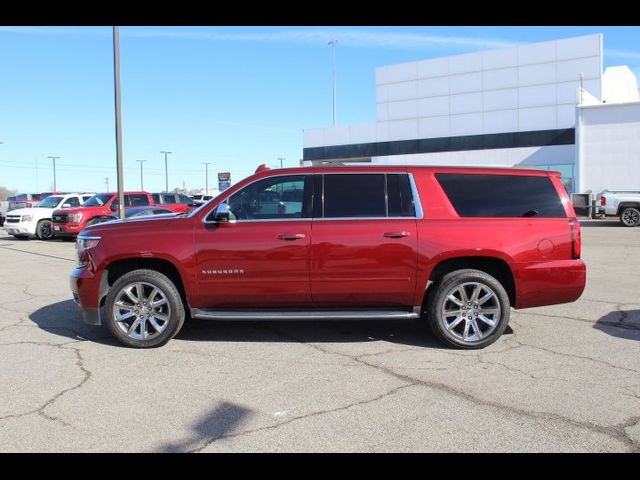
(565, 378)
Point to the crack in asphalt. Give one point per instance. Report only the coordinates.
(301, 417)
(79, 363)
(616, 432)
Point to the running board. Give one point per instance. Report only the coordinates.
(207, 314)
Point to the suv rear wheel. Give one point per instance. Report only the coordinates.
(630, 217)
(468, 309)
(144, 309)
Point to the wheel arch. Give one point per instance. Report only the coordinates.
(494, 266)
(120, 267)
(623, 205)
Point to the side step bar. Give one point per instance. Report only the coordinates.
(208, 314)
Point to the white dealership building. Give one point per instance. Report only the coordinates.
(548, 105)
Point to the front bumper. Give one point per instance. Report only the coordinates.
(66, 229)
(85, 288)
(19, 228)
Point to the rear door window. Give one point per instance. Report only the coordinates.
(136, 200)
(354, 195)
(502, 195)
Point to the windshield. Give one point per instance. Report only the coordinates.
(98, 200)
(50, 202)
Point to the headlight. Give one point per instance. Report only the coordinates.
(83, 246)
(75, 217)
(27, 218)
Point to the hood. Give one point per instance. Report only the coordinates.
(66, 211)
(21, 211)
(138, 223)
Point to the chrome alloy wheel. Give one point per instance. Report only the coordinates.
(141, 311)
(470, 312)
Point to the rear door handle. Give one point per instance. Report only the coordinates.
(396, 234)
(291, 236)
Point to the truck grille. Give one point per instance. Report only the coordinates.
(13, 219)
(60, 218)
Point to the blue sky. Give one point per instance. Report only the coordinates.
(233, 96)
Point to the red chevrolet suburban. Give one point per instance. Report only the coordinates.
(458, 247)
(70, 221)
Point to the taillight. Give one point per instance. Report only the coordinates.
(576, 238)
(603, 201)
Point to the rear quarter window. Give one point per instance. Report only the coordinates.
(475, 195)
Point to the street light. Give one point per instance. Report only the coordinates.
(206, 176)
(333, 43)
(281, 160)
(166, 172)
(54, 172)
(141, 178)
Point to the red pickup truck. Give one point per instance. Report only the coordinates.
(456, 247)
(70, 221)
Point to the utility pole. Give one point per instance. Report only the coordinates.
(54, 172)
(166, 172)
(141, 177)
(206, 176)
(106, 181)
(332, 43)
(116, 83)
(281, 160)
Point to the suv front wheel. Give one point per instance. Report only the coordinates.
(468, 309)
(144, 309)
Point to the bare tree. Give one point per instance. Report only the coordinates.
(5, 192)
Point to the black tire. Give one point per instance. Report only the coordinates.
(149, 279)
(44, 230)
(630, 217)
(21, 237)
(453, 333)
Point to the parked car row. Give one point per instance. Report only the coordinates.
(65, 215)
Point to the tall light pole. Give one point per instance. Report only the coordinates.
(333, 42)
(116, 84)
(141, 177)
(54, 172)
(166, 172)
(206, 176)
(281, 160)
(106, 181)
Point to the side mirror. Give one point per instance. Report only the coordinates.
(222, 213)
(114, 207)
(66, 205)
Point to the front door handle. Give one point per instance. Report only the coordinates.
(291, 236)
(396, 234)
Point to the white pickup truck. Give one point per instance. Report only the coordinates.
(36, 222)
(623, 204)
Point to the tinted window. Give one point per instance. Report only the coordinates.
(184, 199)
(270, 198)
(354, 195)
(501, 195)
(168, 198)
(72, 201)
(98, 200)
(136, 200)
(156, 197)
(399, 196)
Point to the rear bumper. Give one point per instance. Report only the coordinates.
(549, 283)
(85, 288)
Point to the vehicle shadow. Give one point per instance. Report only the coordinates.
(65, 319)
(223, 419)
(621, 324)
(405, 332)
